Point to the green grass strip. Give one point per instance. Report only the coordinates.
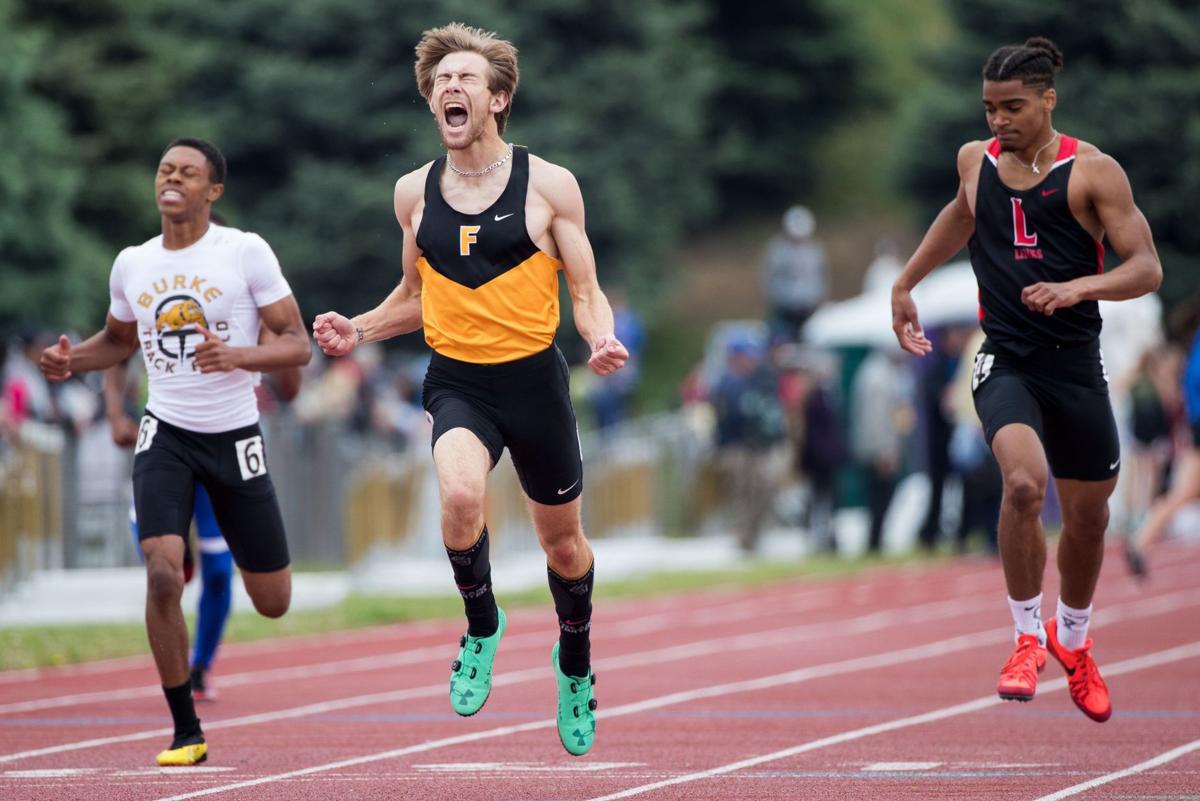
(47, 646)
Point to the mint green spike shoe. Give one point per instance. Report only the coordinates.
(576, 709)
(471, 673)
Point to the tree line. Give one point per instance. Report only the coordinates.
(672, 114)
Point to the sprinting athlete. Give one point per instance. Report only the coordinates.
(487, 228)
(1034, 206)
(193, 300)
(216, 561)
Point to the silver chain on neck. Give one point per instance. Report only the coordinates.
(494, 165)
(1034, 166)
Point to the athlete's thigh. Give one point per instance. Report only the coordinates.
(1081, 433)
(462, 462)
(543, 437)
(163, 481)
(1003, 395)
(457, 412)
(244, 501)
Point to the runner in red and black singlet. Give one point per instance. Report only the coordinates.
(1034, 207)
(1023, 236)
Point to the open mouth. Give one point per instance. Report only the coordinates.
(455, 114)
(171, 196)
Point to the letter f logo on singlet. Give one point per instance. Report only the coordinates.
(466, 238)
(1022, 236)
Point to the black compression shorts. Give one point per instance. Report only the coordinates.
(232, 465)
(524, 405)
(1062, 394)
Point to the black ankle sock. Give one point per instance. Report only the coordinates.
(183, 711)
(573, 602)
(473, 575)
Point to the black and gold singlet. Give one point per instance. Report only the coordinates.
(489, 294)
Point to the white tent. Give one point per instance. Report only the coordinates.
(948, 295)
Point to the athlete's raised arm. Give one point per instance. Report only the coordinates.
(592, 312)
(949, 233)
(400, 311)
(111, 345)
(1139, 272)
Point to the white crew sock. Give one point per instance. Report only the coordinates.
(1028, 617)
(1072, 625)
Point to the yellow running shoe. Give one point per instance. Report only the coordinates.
(184, 751)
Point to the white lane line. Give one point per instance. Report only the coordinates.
(893, 767)
(271, 675)
(875, 621)
(1136, 609)
(715, 598)
(525, 767)
(1140, 767)
(769, 682)
(864, 623)
(1188, 651)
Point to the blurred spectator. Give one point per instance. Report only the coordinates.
(939, 371)
(27, 394)
(882, 416)
(885, 268)
(1185, 484)
(794, 274)
(611, 394)
(970, 456)
(821, 449)
(751, 437)
(1149, 450)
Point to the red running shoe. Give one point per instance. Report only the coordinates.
(1019, 676)
(1088, 690)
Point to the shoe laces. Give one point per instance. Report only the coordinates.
(1023, 659)
(1085, 669)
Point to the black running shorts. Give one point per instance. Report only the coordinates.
(1196, 434)
(232, 465)
(1062, 394)
(524, 405)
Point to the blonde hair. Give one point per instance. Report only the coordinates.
(501, 57)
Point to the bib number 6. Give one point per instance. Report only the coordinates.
(252, 460)
(146, 432)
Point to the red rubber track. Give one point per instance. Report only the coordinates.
(880, 685)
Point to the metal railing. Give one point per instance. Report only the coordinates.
(64, 498)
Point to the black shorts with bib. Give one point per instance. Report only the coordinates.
(524, 405)
(1059, 392)
(232, 466)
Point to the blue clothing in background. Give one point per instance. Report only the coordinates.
(1191, 382)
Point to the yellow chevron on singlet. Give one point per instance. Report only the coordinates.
(512, 316)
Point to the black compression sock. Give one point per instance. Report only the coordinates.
(183, 711)
(573, 603)
(473, 575)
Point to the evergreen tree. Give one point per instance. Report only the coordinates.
(48, 266)
(790, 73)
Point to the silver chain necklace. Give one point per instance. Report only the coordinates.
(1034, 166)
(494, 165)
